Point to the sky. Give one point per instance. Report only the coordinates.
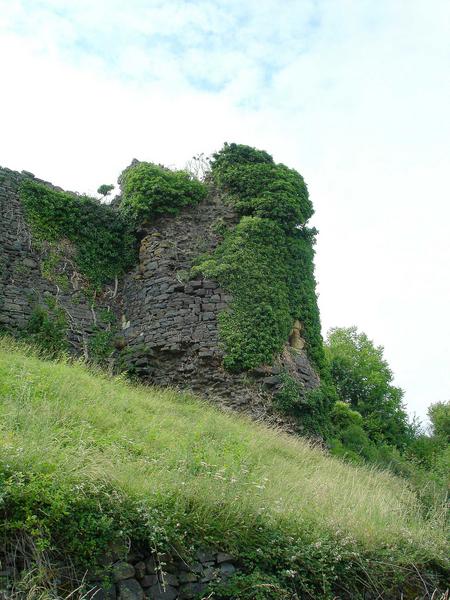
(355, 94)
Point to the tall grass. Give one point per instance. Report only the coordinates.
(224, 471)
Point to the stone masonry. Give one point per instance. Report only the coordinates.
(22, 283)
(168, 324)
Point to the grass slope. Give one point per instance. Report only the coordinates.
(87, 460)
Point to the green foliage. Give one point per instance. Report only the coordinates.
(265, 262)
(289, 395)
(430, 454)
(250, 264)
(311, 408)
(343, 416)
(439, 414)
(50, 266)
(47, 329)
(256, 585)
(259, 187)
(151, 190)
(104, 245)
(89, 464)
(363, 379)
(105, 189)
(101, 345)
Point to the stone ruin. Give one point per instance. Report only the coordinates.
(167, 325)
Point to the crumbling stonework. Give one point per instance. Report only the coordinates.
(22, 284)
(169, 324)
(143, 575)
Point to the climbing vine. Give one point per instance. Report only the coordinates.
(103, 240)
(266, 261)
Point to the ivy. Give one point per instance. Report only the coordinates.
(150, 190)
(257, 186)
(103, 241)
(266, 261)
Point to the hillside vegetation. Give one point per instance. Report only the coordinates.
(89, 462)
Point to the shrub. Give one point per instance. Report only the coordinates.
(238, 154)
(151, 190)
(47, 330)
(343, 416)
(310, 408)
(259, 187)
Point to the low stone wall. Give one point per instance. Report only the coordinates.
(164, 578)
(152, 577)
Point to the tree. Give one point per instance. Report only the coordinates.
(439, 414)
(105, 189)
(363, 379)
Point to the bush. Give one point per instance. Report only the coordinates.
(261, 188)
(310, 408)
(151, 190)
(47, 330)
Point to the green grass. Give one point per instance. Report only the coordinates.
(204, 476)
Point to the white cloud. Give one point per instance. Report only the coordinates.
(353, 94)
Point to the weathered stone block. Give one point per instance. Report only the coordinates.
(122, 570)
(130, 589)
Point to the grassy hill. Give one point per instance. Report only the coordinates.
(89, 462)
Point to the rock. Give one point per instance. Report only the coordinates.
(29, 262)
(129, 589)
(185, 577)
(158, 592)
(170, 579)
(122, 570)
(139, 569)
(101, 593)
(209, 574)
(223, 557)
(190, 590)
(149, 580)
(227, 569)
(205, 556)
(271, 380)
(150, 566)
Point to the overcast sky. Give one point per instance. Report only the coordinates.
(355, 94)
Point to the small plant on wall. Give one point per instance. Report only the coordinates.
(47, 329)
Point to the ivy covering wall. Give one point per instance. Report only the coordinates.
(266, 261)
(103, 241)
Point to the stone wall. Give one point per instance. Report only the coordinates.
(169, 324)
(141, 576)
(163, 577)
(22, 283)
